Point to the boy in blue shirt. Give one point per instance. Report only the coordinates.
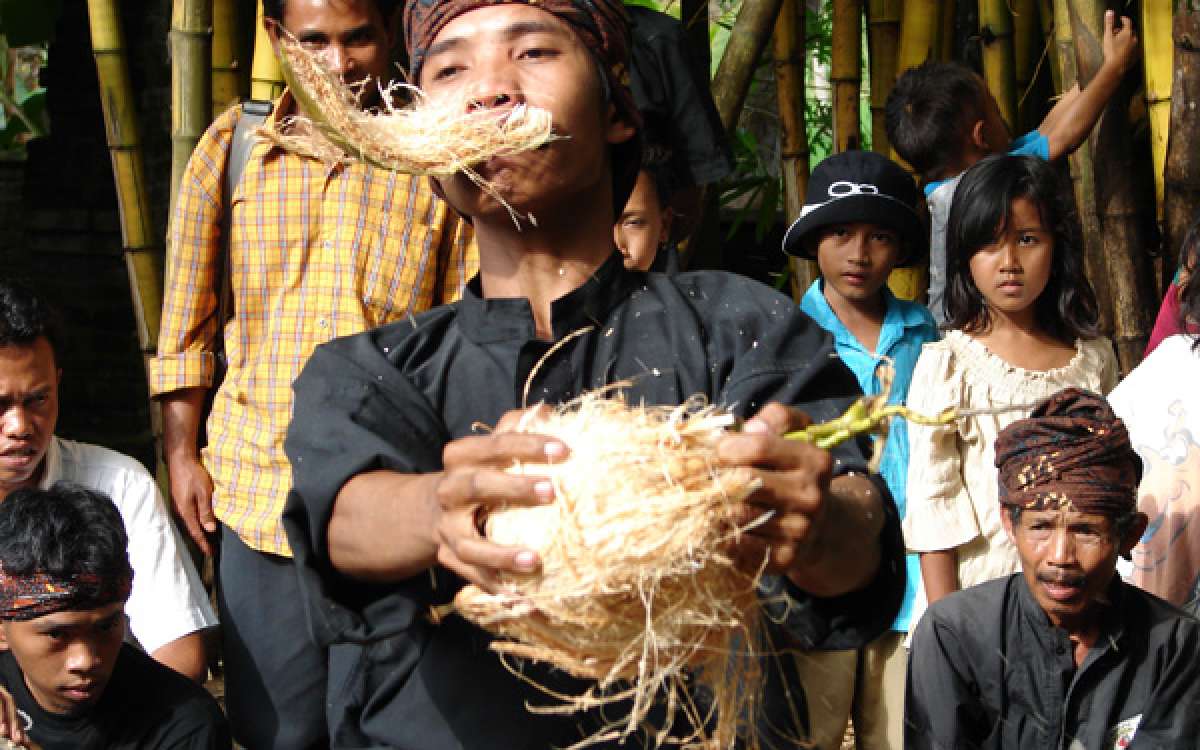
(942, 119)
(859, 222)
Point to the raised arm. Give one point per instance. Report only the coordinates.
(1072, 119)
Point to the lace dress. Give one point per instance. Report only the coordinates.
(952, 487)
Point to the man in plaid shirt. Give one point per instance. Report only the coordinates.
(315, 251)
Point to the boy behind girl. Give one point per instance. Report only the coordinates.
(942, 119)
(67, 679)
(859, 222)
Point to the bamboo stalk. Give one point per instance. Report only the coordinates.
(191, 81)
(747, 40)
(1027, 49)
(1182, 169)
(1157, 54)
(226, 62)
(1046, 16)
(1126, 266)
(1082, 182)
(846, 74)
(996, 37)
(921, 32)
(143, 255)
(266, 80)
(788, 42)
(883, 41)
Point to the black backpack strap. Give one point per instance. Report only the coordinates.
(254, 113)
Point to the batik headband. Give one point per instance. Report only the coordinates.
(1072, 452)
(25, 597)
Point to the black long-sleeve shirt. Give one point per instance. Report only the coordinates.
(988, 670)
(392, 398)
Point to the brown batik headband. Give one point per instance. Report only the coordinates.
(1072, 451)
(25, 597)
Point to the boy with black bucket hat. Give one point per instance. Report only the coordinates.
(860, 221)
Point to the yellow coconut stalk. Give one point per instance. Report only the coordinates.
(636, 589)
(1157, 61)
(266, 82)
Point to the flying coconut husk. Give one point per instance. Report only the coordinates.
(437, 137)
(637, 589)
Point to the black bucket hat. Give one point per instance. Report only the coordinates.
(859, 186)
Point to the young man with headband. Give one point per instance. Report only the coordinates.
(67, 679)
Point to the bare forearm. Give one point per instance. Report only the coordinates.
(1082, 111)
(939, 572)
(382, 526)
(848, 554)
(181, 412)
(185, 655)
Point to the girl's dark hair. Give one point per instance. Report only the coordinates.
(65, 530)
(1067, 307)
(1189, 295)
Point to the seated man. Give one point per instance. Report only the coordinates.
(391, 474)
(168, 608)
(67, 679)
(1064, 654)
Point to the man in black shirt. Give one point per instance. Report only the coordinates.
(390, 471)
(67, 679)
(1064, 654)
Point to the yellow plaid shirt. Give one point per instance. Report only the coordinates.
(317, 252)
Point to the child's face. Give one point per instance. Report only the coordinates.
(855, 260)
(1012, 271)
(643, 226)
(502, 55)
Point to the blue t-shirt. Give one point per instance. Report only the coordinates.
(906, 328)
(938, 196)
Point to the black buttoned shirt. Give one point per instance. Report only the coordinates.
(393, 398)
(988, 670)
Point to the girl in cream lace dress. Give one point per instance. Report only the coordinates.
(1024, 326)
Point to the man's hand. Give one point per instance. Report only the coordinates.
(1119, 44)
(191, 494)
(474, 482)
(823, 534)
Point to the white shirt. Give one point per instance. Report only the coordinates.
(168, 601)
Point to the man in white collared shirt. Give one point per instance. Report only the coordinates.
(168, 608)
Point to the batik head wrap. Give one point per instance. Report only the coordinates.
(1072, 452)
(602, 25)
(25, 597)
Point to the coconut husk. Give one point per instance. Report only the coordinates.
(637, 590)
(424, 137)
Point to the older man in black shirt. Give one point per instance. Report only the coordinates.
(1063, 655)
(390, 470)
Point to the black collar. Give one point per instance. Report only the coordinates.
(485, 320)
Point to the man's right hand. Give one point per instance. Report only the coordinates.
(191, 494)
(11, 726)
(473, 483)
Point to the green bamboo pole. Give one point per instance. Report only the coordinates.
(191, 81)
(1182, 168)
(747, 40)
(143, 254)
(1027, 50)
(996, 36)
(266, 80)
(846, 74)
(226, 55)
(788, 43)
(883, 40)
(1046, 17)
